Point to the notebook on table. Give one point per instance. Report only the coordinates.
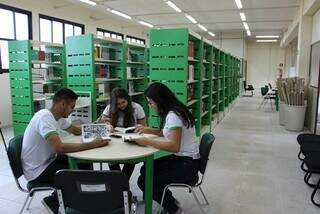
(91, 132)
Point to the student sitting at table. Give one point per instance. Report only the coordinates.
(122, 112)
(42, 149)
(177, 125)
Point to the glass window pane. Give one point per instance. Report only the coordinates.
(57, 32)
(22, 27)
(4, 54)
(45, 30)
(114, 36)
(100, 33)
(107, 35)
(119, 37)
(6, 29)
(77, 30)
(68, 30)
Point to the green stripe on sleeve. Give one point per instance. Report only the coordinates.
(50, 134)
(176, 128)
(68, 127)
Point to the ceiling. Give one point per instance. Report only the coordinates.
(218, 16)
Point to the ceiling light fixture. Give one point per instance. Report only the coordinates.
(238, 3)
(246, 26)
(243, 17)
(119, 13)
(268, 37)
(211, 34)
(269, 40)
(146, 24)
(89, 2)
(248, 32)
(191, 18)
(173, 6)
(202, 27)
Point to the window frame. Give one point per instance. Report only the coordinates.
(110, 32)
(136, 38)
(30, 35)
(63, 21)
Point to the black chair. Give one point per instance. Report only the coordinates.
(248, 88)
(308, 142)
(87, 191)
(312, 162)
(14, 155)
(267, 96)
(204, 149)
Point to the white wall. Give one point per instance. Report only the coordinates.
(316, 27)
(263, 61)
(234, 46)
(71, 12)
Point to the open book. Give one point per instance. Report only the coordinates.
(94, 131)
(125, 130)
(130, 138)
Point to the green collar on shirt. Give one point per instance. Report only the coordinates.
(56, 117)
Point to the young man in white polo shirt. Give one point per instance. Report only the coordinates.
(42, 149)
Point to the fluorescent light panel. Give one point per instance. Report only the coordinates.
(269, 40)
(246, 26)
(268, 37)
(248, 32)
(146, 24)
(173, 6)
(120, 14)
(89, 2)
(211, 34)
(243, 17)
(202, 27)
(238, 3)
(191, 18)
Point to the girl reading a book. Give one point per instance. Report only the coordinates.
(122, 112)
(177, 126)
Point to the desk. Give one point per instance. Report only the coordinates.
(118, 151)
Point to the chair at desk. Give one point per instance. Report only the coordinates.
(14, 156)
(248, 88)
(87, 191)
(204, 148)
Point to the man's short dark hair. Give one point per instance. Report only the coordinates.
(64, 94)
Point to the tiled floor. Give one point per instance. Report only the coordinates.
(253, 169)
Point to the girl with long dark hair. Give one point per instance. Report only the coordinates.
(122, 112)
(177, 126)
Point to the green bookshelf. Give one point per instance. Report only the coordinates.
(176, 59)
(37, 71)
(215, 83)
(97, 65)
(206, 86)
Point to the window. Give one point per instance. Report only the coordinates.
(135, 40)
(16, 24)
(109, 34)
(56, 30)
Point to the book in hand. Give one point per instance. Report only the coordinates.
(91, 132)
(131, 138)
(125, 130)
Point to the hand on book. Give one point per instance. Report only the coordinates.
(141, 129)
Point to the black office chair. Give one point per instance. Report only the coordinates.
(312, 163)
(87, 191)
(248, 88)
(307, 142)
(14, 155)
(204, 149)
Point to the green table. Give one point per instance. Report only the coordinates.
(118, 152)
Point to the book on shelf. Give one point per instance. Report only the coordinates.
(91, 132)
(191, 49)
(190, 93)
(131, 87)
(191, 72)
(129, 73)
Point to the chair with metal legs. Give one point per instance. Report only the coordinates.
(204, 149)
(14, 155)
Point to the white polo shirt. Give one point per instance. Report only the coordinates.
(138, 113)
(189, 146)
(36, 153)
